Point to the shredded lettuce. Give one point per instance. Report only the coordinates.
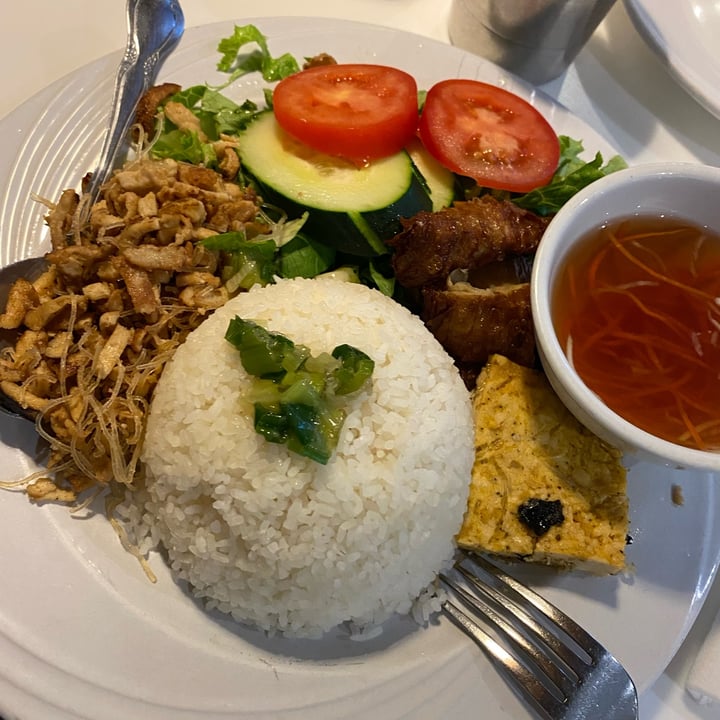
(572, 175)
(285, 231)
(286, 252)
(248, 262)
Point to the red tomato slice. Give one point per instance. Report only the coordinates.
(489, 134)
(358, 112)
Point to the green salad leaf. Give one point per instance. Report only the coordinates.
(247, 262)
(305, 257)
(380, 275)
(285, 252)
(572, 175)
(184, 146)
(259, 60)
(218, 114)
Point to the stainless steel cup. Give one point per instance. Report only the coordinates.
(535, 39)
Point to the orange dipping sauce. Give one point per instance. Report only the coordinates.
(637, 309)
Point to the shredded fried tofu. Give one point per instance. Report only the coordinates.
(95, 331)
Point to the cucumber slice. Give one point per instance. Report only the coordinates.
(352, 209)
(439, 180)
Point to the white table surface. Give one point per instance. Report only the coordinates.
(617, 85)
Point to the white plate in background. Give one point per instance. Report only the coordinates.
(684, 35)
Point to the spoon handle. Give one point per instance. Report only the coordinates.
(154, 28)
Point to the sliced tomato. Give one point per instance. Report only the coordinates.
(489, 134)
(359, 112)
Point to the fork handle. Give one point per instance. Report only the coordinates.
(154, 27)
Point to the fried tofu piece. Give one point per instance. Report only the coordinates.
(41, 316)
(535, 462)
(21, 299)
(45, 489)
(23, 397)
(112, 351)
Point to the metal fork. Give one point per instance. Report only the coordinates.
(154, 28)
(558, 668)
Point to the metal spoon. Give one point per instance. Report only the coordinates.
(154, 29)
(30, 269)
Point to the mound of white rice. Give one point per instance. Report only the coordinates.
(273, 538)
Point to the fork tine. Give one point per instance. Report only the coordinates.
(574, 661)
(579, 635)
(556, 665)
(476, 602)
(523, 679)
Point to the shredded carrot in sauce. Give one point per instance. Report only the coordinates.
(638, 307)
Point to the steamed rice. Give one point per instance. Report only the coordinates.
(273, 538)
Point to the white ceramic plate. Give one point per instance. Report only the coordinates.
(83, 634)
(684, 35)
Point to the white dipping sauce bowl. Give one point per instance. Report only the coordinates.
(683, 190)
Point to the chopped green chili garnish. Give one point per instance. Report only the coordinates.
(354, 369)
(295, 394)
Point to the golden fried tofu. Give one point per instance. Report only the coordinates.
(21, 299)
(544, 488)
